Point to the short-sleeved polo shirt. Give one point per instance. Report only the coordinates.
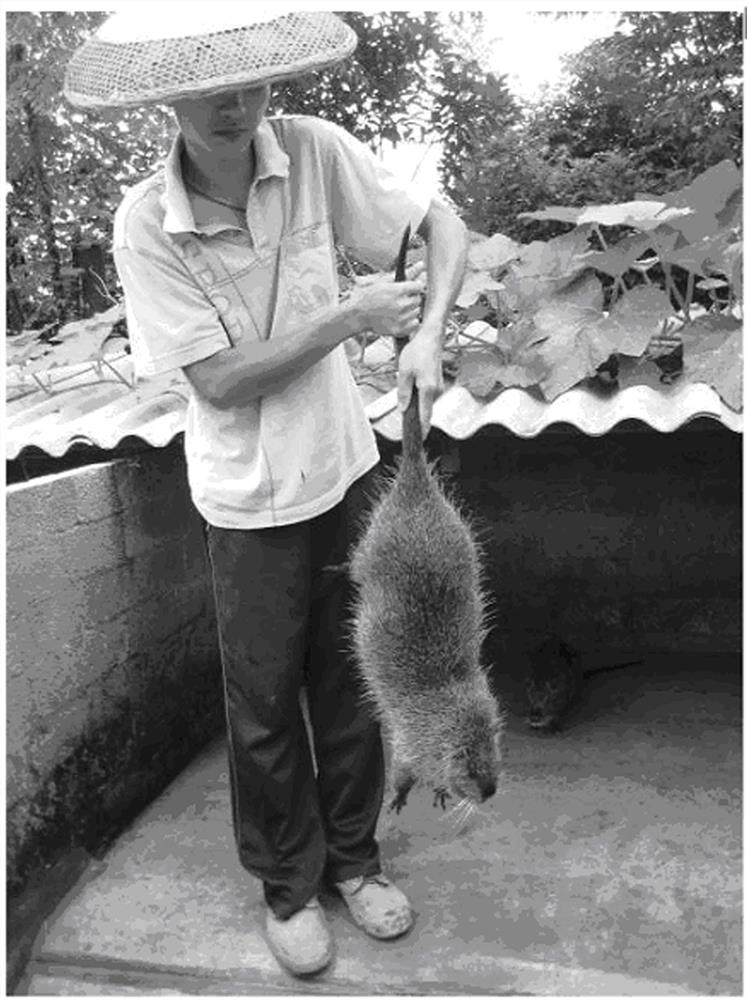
(198, 279)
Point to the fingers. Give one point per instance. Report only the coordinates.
(416, 272)
(405, 383)
(425, 408)
(426, 398)
(409, 287)
(407, 327)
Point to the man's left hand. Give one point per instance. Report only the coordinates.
(420, 365)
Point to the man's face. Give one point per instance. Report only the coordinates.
(222, 123)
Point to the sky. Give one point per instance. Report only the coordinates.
(525, 46)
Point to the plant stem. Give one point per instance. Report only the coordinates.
(119, 374)
(689, 294)
(41, 385)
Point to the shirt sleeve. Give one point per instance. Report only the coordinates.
(170, 321)
(371, 206)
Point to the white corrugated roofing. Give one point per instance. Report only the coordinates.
(460, 415)
(84, 405)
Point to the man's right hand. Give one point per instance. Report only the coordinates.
(387, 308)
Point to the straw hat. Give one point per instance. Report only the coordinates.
(168, 52)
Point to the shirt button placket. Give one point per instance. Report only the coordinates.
(256, 225)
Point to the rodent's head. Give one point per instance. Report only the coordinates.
(474, 764)
(545, 705)
(550, 683)
(449, 741)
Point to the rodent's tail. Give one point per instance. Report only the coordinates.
(412, 433)
(413, 455)
(593, 671)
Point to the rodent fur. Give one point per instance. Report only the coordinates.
(554, 680)
(418, 627)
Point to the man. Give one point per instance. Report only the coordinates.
(226, 257)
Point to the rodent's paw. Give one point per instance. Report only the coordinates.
(440, 797)
(402, 790)
(399, 800)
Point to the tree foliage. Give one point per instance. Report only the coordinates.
(551, 314)
(614, 208)
(562, 310)
(647, 109)
(664, 89)
(69, 168)
(65, 167)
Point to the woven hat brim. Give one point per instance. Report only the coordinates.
(105, 74)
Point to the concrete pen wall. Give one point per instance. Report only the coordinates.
(113, 672)
(628, 542)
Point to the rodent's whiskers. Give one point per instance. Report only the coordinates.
(461, 812)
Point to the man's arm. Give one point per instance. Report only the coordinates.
(446, 259)
(252, 368)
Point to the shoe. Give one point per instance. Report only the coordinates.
(379, 907)
(302, 943)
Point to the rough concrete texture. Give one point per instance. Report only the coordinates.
(629, 537)
(111, 648)
(607, 864)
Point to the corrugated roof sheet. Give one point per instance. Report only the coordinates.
(85, 405)
(593, 412)
(96, 407)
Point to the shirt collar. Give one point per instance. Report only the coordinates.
(272, 161)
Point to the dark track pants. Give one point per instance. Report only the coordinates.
(282, 622)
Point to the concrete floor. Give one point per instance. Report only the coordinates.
(609, 863)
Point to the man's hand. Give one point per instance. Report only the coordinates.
(387, 308)
(446, 259)
(420, 365)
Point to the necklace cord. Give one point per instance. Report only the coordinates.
(193, 187)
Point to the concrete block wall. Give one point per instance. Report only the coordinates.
(627, 542)
(113, 671)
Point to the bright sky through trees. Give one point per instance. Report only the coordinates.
(527, 47)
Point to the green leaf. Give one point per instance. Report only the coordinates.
(482, 370)
(709, 192)
(638, 371)
(569, 321)
(479, 372)
(493, 253)
(703, 255)
(618, 259)
(720, 367)
(638, 214)
(544, 269)
(731, 214)
(553, 213)
(697, 226)
(706, 197)
(474, 285)
(478, 310)
(634, 319)
(644, 215)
